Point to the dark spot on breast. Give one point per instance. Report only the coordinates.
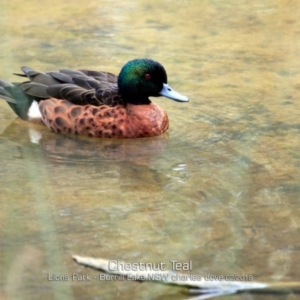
(120, 132)
(115, 116)
(114, 126)
(59, 109)
(87, 128)
(82, 121)
(60, 121)
(112, 111)
(107, 114)
(91, 121)
(120, 121)
(99, 132)
(85, 114)
(94, 111)
(75, 112)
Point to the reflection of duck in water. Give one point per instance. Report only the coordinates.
(84, 150)
(127, 163)
(95, 103)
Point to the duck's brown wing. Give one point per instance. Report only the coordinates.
(79, 87)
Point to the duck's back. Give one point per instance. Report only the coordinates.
(78, 87)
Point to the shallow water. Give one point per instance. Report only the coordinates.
(220, 188)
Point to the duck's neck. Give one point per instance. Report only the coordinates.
(138, 101)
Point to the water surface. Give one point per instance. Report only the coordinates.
(220, 188)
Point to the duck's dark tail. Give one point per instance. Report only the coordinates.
(16, 98)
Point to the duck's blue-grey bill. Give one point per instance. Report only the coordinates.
(168, 92)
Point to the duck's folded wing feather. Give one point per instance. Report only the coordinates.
(108, 94)
(101, 76)
(37, 90)
(79, 87)
(81, 96)
(42, 78)
(86, 83)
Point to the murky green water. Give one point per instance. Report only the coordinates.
(220, 189)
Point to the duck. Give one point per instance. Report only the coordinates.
(94, 103)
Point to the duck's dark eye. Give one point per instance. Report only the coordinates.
(147, 76)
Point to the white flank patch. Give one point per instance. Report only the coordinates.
(35, 136)
(34, 111)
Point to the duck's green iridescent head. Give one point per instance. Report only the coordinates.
(142, 78)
